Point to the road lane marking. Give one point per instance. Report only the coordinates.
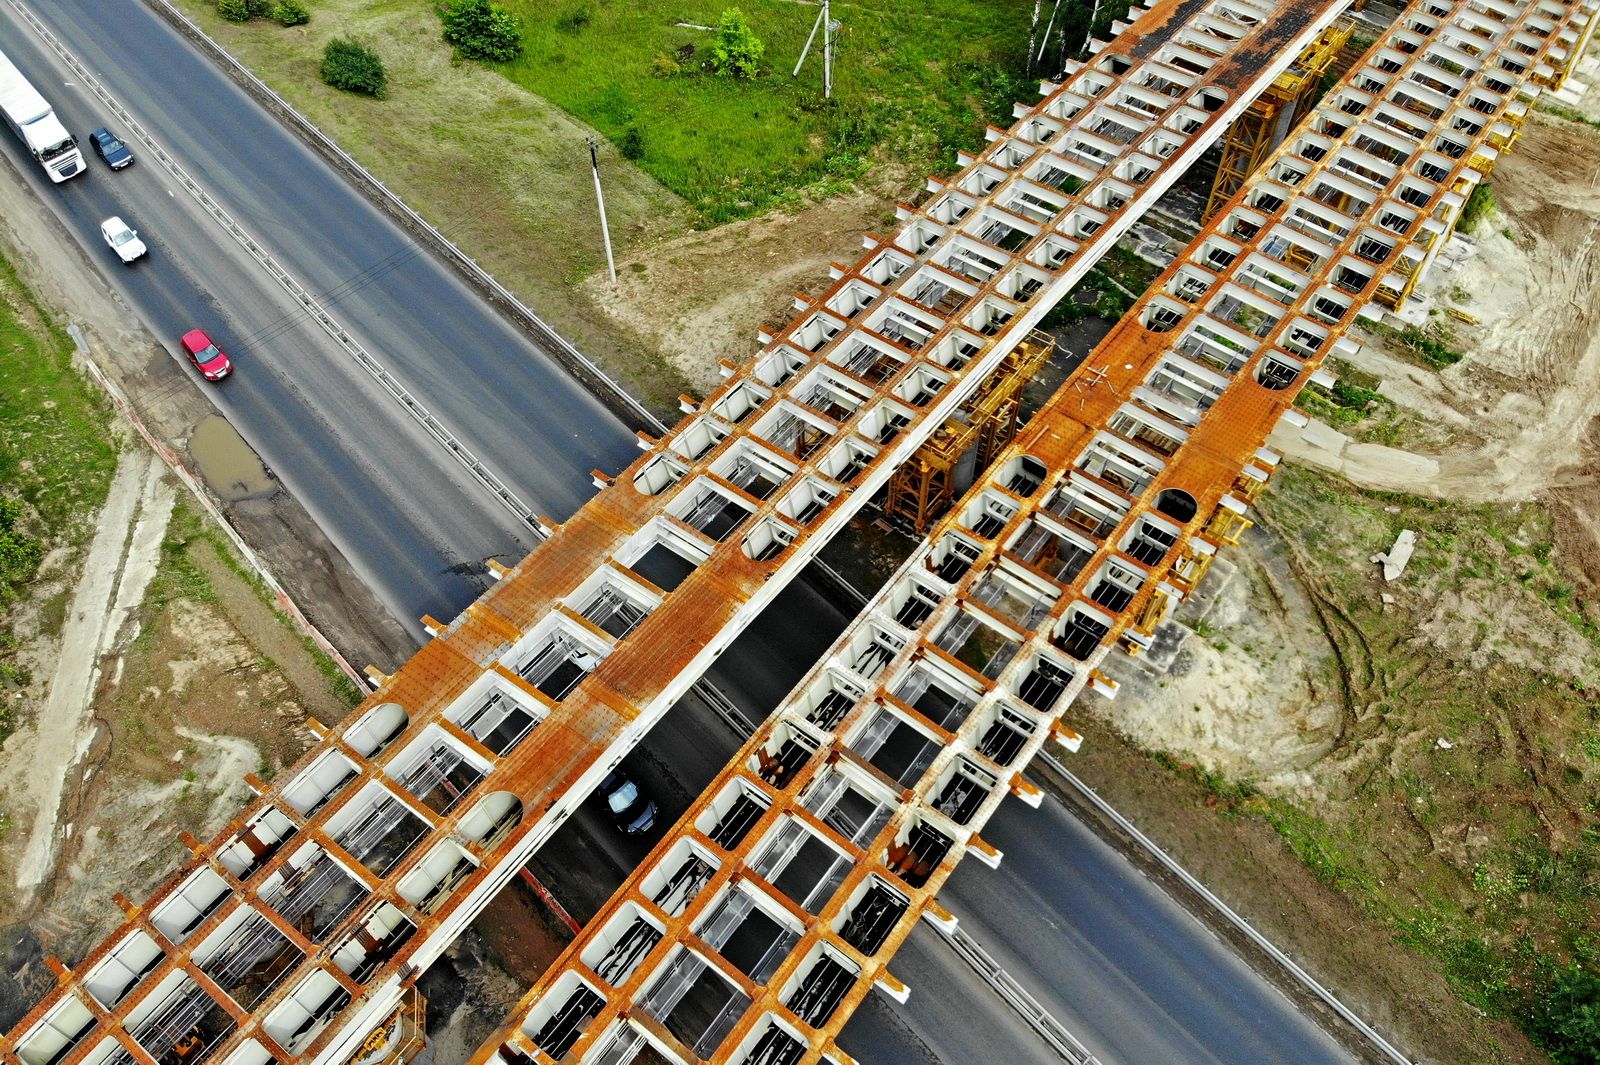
(311, 305)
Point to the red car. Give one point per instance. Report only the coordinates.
(206, 356)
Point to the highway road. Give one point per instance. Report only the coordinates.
(953, 1018)
(1106, 951)
(411, 520)
(1114, 958)
(1126, 969)
(1129, 972)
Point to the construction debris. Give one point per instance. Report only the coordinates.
(1394, 560)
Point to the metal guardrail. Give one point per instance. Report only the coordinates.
(312, 306)
(1052, 1031)
(542, 329)
(1190, 881)
(724, 708)
(840, 584)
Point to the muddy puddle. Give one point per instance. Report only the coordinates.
(227, 463)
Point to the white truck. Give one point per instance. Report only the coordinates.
(31, 118)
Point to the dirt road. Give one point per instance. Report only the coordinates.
(115, 574)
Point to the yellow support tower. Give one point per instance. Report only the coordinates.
(1273, 114)
(925, 487)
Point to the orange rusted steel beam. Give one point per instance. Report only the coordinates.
(370, 854)
(1102, 513)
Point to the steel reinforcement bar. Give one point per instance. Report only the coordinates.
(760, 923)
(295, 931)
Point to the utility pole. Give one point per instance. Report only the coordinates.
(827, 53)
(1033, 33)
(1032, 59)
(600, 198)
(827, 26)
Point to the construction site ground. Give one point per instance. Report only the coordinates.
(146, 670)
(1291, 752)
(1358, 764)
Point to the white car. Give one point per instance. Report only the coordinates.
(123, 239)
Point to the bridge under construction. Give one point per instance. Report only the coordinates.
(768, 913)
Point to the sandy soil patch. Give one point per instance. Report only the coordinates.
(1249, 692)
(1524, 401)
(115, 573)
(699, 297)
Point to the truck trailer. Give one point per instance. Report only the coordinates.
(32, 119)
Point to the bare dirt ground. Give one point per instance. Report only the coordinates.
(697, 297)
(192, 681)
(1406, 771)
(116, 572)
(1522, 405)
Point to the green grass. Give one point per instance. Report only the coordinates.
(179, 576)
(1355, 406)
(1429, 346)
(913, 81)
(339, 683)
(56, 456)
(1480, 204)
(1121, 267)
(1571, 114)
(55, 453)
(1508, 915)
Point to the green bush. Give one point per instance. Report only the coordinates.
(259, 8)
(1480, 203)
(352, 67)
(738, 50)
(632, 143)
(664, 66)
(291, 13)
(20, 553)
(1566, 1017)
(234, 10)
(482, 30)
(1353, 396)
(1430, 348)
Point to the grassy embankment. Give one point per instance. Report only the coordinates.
(56, 461)
(506, 174)
(1462, 808)
(912, 83)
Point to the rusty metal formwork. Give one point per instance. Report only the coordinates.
(924, 488)
(759, 924)
(1268, 120)
(294, 933)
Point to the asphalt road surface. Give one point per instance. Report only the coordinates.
(1114, 958)
(1108, 953)
(1131, 974)
(411, 520)
(1128, 971)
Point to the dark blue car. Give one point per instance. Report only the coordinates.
(111, 149)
